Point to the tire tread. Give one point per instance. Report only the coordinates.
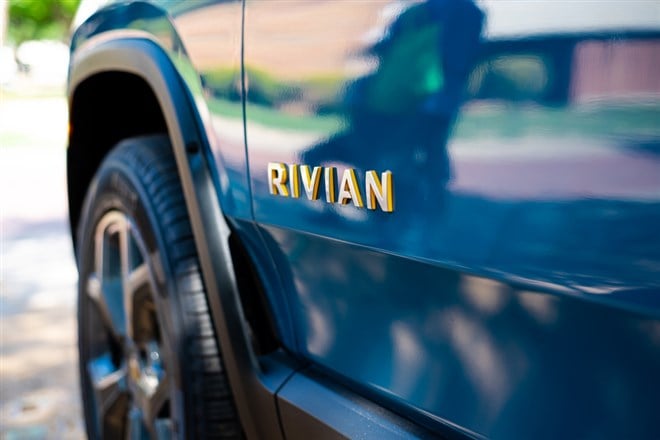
(151, 158)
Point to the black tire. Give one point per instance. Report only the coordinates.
(150, 365)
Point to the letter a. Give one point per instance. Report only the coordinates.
(349, 190)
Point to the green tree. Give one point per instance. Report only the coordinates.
(36, 19)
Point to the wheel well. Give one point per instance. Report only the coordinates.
(105, 109)
(110, 107)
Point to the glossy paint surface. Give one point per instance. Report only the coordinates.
(514, 290)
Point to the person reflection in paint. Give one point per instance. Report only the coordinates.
(400, 116)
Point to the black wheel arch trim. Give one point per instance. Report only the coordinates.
(254, 382)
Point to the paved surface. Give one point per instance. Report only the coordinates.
(39, 396)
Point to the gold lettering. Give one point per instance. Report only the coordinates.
(349, 190)
(294, 181)
(277, 178)
(311, 182)
(285, 180)
(330, 184)
(375, 191)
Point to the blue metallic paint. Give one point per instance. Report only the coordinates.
(514, 290)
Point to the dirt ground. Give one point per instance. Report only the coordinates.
(39, 394)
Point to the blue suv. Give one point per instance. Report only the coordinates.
(299, 219)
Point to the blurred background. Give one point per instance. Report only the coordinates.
(38, 358)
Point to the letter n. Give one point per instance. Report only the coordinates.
(379, 190)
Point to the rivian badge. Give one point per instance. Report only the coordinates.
(285, 180)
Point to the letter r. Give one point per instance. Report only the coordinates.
(277, 179)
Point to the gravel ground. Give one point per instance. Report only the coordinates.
(39, 396)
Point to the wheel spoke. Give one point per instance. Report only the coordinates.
(158, 400)
(150, 397)
(151, 388)
(108, 381)
(138, 278)
(109, 256)
(134, 271)
(110, 395)
(111, 312)
(126, 244)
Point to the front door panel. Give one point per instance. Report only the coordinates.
(513, 277)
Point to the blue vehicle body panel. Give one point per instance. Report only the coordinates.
(514, 291)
